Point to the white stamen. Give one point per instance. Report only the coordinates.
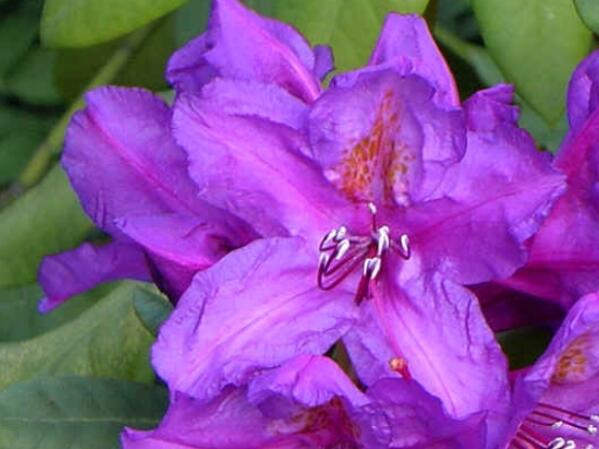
(342, 248)
(404, 242)
(372, 208)
(341, 232)
(594, 418)
(557, 424)
(330, 237)
(376, 268)
(383, 240)
(366, 266)
(557, 443)
(323, 260)
(589, 446)
(591, 429)
(570, 444)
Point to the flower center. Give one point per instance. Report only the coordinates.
(542, 427)
(341, 253)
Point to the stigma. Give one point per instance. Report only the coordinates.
(343, 253)
(547, 425)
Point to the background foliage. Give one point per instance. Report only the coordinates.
(74, 378)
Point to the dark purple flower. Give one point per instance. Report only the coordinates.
(396, 193)
(564, 254)
(132, 181)
(310, 403)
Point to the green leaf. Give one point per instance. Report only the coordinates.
(106, 340)
(32, 80)
(588, 10)
(351, 27)
(20, 134)
(20, 319)
(152, 309)
(536, 44)
(80, 23)
(47, 219)
(76, 412)
(525, 345)
(17, 32)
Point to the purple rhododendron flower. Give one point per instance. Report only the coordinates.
(564, 254)
(132, 181)
(377, 198)
(309, 402)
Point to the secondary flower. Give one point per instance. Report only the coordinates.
(132, 181)
(555, 403)
(396, 194)
(309, 402)
(564, 254)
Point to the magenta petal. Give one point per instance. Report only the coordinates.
(227, 422)
(495, 198)
(70, 273)
(244, 45)
(307, 379)
(437, 327)
(187, 70)
(406, 41)
(583, 91)
(256, 169)
(415, 419)
(256, 308)
(250, 98)
(121, 159)
(323, 61)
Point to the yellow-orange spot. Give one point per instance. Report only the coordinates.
(400, 366)
(370, 170)
(572, 365)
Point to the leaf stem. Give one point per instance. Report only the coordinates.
(38, 164)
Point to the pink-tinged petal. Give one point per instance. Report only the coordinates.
(385, 148)
(436, 328)
(227, 422)
(583, 91)
(496, 198)
(184, 239)
(241, 45)
(403, 415)
(307, 379)
(405, 43)
(179, 245)
(250, 98)
(121, 159)
(564, 254)
(231, 421)
(256, 169)
(255, 309)
(70, 273)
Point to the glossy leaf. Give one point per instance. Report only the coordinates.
(349, 26)
(21, 320)
(80, 23)
(106, 340)
(47, 219)
(17, 32)
(76, 412)
(589, 13)
(536, 44)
